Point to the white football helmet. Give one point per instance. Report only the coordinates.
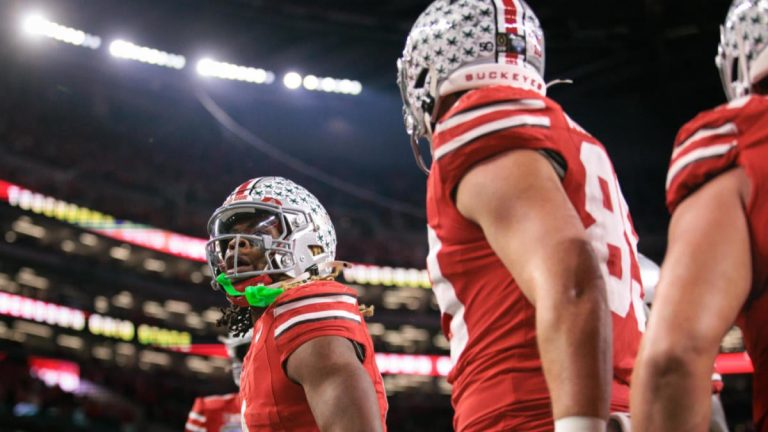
(742, 57)
(457, 45)
(302, 221)
(237, 348)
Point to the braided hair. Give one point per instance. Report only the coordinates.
(237, 319)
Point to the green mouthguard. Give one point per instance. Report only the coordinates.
(257, 296)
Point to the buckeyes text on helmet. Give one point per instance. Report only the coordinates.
(457, 45)
(306, 239)
(742, 56)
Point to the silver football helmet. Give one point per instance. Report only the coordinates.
(742, 57)
(461, 45)
(306, 239)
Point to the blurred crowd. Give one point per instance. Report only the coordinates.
(119, 152)
(109, 398)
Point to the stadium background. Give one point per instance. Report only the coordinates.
(110, 168)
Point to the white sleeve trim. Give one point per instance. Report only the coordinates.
(316, 316)
(523, 104)
(511, 122)
(696, 155)
(343, 298)
(196, 417)
(726, 129)
(193, 428)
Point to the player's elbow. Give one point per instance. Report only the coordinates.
(588, 279)
(576, 291)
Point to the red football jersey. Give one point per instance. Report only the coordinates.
(218, 413)
(734, 134)
(498, 383)
(272, 401)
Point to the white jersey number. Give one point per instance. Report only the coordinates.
(611, 235)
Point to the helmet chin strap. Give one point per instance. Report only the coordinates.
(558, 81)
(428, 134)
(435, 102)
(429, 108)
(416, 147)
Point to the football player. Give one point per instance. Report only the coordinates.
(271, 250)
(221, 413)
(533, 255)
(716, 268)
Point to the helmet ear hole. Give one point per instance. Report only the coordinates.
(421, 79)
(734, 66)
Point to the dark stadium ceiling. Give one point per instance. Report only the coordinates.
(362, 39)
(641, 69)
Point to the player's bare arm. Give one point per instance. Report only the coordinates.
(338, 389)
(704, 290)
(531, 225)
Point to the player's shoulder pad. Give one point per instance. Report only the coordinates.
(722, 116)
(705, 146)
(501, 118)
(319, 301)
(319, 288)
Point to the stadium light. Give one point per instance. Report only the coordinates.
(350, 87)
(121, 253)
(328, 84)
(196, 277)
(24, 225)
(154, 265)
(292, 80)
(311, 82)
(211, 68)
(332, 85)
(37, 25)
(127, 50)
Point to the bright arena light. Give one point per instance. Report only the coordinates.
(328, 85)
(127, 50)
(311, 82)
(292, 80)
(39, 26)
(332, 85)
(212, 68)
(350, 87)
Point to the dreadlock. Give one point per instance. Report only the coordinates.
(237, 319)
